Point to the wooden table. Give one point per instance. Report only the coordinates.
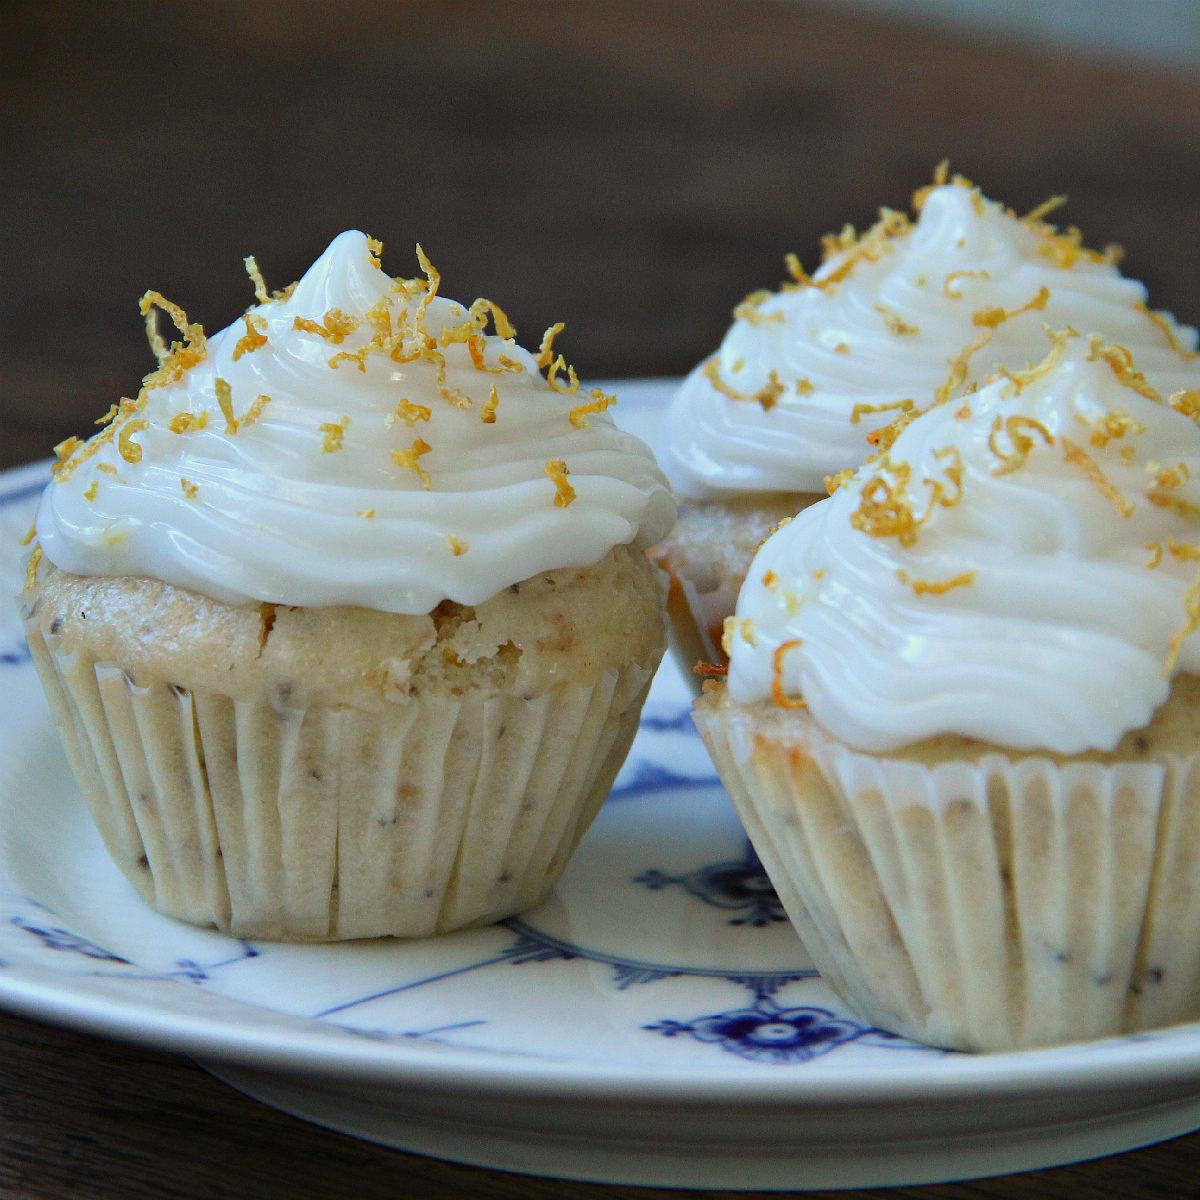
(631, 168)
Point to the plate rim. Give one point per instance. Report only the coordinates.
(1145, 1060)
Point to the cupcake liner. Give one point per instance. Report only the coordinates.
(330, 822)
(696, 622)
(985, 905)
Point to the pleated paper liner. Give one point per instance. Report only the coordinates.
(994, 904)
(328, 822)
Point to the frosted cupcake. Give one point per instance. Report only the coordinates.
(345, 621)
(903, 317)
(962, 720)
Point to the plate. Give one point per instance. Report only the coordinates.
(655, 1022)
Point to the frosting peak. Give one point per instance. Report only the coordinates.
(1020, 567)
(354, 440)
(906, 311)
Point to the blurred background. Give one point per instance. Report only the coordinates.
(631, 167)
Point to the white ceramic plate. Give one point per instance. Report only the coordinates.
(655, 1022)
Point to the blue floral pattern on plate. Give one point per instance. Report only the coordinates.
(702, 922)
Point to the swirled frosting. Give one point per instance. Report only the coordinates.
(1019, 567)
(894, 317)
(359, 441)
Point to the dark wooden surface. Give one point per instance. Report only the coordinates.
(631, 168)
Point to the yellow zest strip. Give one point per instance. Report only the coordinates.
(1065, 249)
(63, 451)
(107, 468)
(1156, 555)
(940, 175)
(804, 387)
(957, 295)
(179, 359)
(870, 247)
(356, 356)
(833, 482)
(1113, 425)
(93, 490)
(923, 587)
(1165, 325)
(113, 410)
(255, 336)
(374, 250)
(546, 349)
(1021, 443)
(954, 473)
(1043, 210)
(225, 400)
(800, 278)
(130, 451)
(31, 568)
(993, 317)
(429, 353)
(508, 364)
(488, 415)
(260, 286)
(185, 422)
(338, 325)
(1078, 456)
(457, 545)
(959, 366)
(729, 630)
(1184, 551)
(896, 326)
(409, 413)
(861, 410)
(1172, 477)
(366, 513)
(408, 459)
(379, 317)
(766, 395)
(1191, 605)
(748, 310)
(1021, 379)
(433, 283)
(29, 536)
(777, 693)
(189, 489)
(1176, 503)
(1186, 402)
(253, 412)
(1121, 362)
(333, 435)
(599, 403)
(480, 310)
(885, 511)
(551, 377)
(556, 470)
(62, 471)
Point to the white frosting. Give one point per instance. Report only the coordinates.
(275, 517)
(711, 445)
(1060, 636)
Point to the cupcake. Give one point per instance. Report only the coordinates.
(346, 620)
(962, 718)
(806, 378)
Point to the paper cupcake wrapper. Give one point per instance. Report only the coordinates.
(979, 906)
(325, 822)
(695, 623)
